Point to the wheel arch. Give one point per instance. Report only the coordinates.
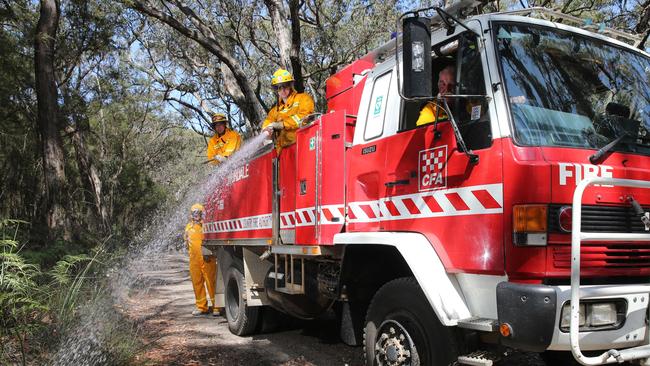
(414, 256)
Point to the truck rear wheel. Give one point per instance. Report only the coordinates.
(242, 319)
(402, 329)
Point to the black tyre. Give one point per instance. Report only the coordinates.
(242, 319)
(402, 329)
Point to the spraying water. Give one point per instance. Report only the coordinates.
(87, 343)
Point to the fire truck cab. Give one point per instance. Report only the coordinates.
(441, 240)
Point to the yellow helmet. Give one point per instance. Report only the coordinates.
(196, 207)
(281, 76)
(219, 117)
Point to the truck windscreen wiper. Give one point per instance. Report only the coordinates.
(598, 155)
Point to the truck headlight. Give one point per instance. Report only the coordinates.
(566, 315)
(602, 314)
(596, 315)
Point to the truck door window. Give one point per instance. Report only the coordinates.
(377, 109)
(472, 113)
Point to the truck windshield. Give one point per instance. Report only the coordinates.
(569, 90)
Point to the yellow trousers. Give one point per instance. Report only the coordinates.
(204, 275)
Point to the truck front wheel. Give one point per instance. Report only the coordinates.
(402, 329)
(242, 319)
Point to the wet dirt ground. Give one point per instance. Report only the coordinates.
(172, 336)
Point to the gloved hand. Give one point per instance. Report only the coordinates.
(220, 158)
(277, 125)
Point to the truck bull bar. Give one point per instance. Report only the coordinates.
(577, 236)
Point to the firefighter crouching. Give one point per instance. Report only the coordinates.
(203, 265)
(224, 142)
(285, 116)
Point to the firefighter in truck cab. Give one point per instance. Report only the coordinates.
(224, 142)
(432, 111)
(285, 116)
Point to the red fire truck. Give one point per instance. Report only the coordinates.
(475, 232)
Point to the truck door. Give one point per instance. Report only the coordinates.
(366, 175)
(432, 186)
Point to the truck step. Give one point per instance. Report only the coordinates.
(291, 290)
(480, 324)
(479, 358)
(293, 280)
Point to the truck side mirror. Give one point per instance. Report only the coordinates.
(416, 57)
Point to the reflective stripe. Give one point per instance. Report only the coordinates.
(296, 119)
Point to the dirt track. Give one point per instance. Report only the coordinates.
(174, 337)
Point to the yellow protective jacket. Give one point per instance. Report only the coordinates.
(223, 145)
(298, 106)
(429, 112)
(194, 238)
(203, 272)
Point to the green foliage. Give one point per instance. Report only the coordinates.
(20, 303)
(128, 132)
(37, 304)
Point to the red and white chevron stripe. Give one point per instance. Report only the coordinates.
(300, 217)
(332, 214)
(240, 224)
(475, 200)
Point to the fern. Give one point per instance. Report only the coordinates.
(62, 272)
(19, 292)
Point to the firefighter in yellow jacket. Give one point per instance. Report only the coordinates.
(203, 265)
(432, 111)
(285, 117)
(224, 142)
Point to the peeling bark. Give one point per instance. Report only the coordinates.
(288, 36)
(281, 30)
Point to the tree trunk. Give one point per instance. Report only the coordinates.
(296, 44)
(288, 37)
(51, 142)
(88, 171)
(642, 26)
(281, 30)
(230, 84)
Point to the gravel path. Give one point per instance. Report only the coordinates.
(174, 337)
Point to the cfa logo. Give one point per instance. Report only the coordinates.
(432, 172)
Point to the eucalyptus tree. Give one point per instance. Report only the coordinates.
(48, 111)
(218, 53)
